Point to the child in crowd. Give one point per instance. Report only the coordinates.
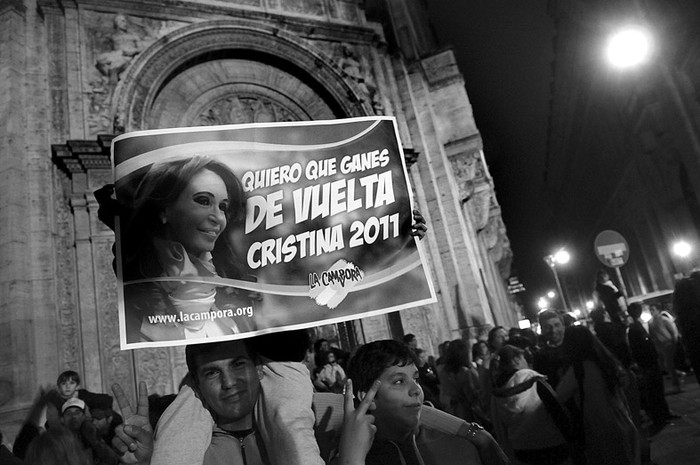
(67, 386)
(404, 434)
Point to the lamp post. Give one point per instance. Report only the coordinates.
(560, 257)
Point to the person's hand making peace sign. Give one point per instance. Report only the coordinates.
(358, 427)
(134, 437)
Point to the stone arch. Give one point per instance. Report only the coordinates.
(174, 54)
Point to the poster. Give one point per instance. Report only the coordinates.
(232, 231)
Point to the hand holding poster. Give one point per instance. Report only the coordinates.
(233, 231)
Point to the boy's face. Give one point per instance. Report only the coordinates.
(67, 388)
(399, 399)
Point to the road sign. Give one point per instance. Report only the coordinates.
(611, 249)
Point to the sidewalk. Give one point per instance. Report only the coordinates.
(679, 442)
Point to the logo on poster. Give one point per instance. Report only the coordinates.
(332, 286)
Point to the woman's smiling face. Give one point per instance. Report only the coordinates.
(199, 214)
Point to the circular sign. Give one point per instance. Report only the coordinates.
(611, 248)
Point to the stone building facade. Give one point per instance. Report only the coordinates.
(74, 73)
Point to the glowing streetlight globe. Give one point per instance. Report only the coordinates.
(562, 257)
(589, 304)
(629, 47)
(682, 249)
(551, 294)
(542, 303)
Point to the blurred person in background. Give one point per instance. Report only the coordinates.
(594, 380)
(461, 384)
(550, 359)
(686, 304)
(522, 424)
(664, 334)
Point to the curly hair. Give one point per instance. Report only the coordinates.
(370, 361)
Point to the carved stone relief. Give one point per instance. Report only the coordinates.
(69, 351)
(496, 240)
(153, 367)
(479, 206)
(230, 91)
(464, 169)
(116, 364)
(235, 109)
(356, 68)
(113, 43)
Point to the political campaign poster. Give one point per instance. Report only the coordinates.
(227, 232)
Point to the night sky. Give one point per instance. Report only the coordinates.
(504, 51)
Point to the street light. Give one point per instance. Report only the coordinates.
(682, 249)
(560, 257)
(551, 294)
(629, 47)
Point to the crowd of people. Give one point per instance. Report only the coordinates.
(570, 395)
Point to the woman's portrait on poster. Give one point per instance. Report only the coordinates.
(177, 224)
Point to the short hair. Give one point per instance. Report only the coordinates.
(68, 375)
(635, 310)
(476, 352)
(548, 315)
(370, 361)
(319, 343)
(194, 352)
(408, 338)
(492, 334)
